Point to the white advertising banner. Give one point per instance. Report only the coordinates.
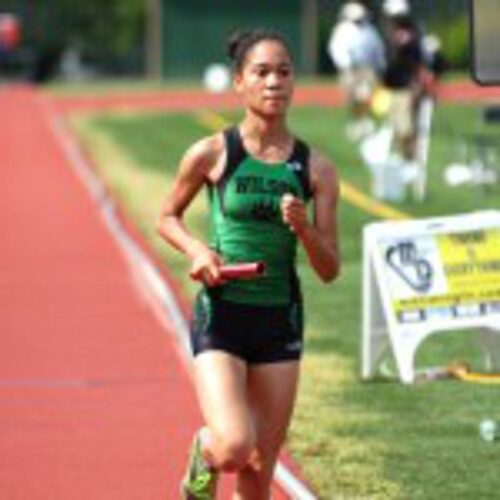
(438, 277)
(424, 276)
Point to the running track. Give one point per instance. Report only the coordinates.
(95, 401)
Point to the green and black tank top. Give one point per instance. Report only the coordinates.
(246, 222)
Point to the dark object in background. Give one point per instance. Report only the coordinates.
(44, 65)
(491, 114)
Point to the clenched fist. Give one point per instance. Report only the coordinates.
(294, 213)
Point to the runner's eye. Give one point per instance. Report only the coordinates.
(262, 72)
(285, 72)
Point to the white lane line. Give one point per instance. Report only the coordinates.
(295, 488)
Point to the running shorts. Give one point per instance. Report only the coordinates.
(256, 334)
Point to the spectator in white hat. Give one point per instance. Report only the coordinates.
(357, 51)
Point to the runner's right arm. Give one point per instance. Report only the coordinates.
(194, 171)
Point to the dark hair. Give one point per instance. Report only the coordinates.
(241, 42)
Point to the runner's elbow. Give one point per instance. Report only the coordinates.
(330, 273)
(327, 277)
(159, 223)
(163, 224)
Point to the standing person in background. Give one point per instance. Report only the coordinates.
(406, 76)
(10, 38)
(357, 51)
(247, 334)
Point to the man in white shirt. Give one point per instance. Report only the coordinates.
(358, 53)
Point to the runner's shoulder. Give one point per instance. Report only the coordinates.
(206, 152)
(319, 160)
(322, 170)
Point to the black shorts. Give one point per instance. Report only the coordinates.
(255, 333)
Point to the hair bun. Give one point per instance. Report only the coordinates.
(235, 41)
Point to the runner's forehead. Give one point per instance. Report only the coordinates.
(269, 52)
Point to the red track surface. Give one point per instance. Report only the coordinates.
(95, 402)
(182, 100)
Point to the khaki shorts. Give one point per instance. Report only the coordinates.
(402, 113)
(358, 84)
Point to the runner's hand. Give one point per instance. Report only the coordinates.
(205, 267)
(294, 213)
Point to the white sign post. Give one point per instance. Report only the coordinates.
(424, 125)
(426, 276)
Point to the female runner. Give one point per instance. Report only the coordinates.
(247, 334)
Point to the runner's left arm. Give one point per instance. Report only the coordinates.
(319, 237)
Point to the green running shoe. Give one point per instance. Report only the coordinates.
(200, 481)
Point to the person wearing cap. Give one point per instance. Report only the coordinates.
(407, 75)
(357, 51)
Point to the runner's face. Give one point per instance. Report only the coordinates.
(266, 79)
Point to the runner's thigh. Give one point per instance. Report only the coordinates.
(221, 386)
(272, 391)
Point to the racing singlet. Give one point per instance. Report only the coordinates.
(247, 225)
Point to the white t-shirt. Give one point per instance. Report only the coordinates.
(354, 45)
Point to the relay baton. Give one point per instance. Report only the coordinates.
(242, 270)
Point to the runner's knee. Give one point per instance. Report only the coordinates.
(257, 476)
(235, 449)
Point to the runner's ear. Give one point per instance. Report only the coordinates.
(238, 83)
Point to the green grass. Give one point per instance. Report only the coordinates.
(111, 85)
(354, 439)
(141, 84)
